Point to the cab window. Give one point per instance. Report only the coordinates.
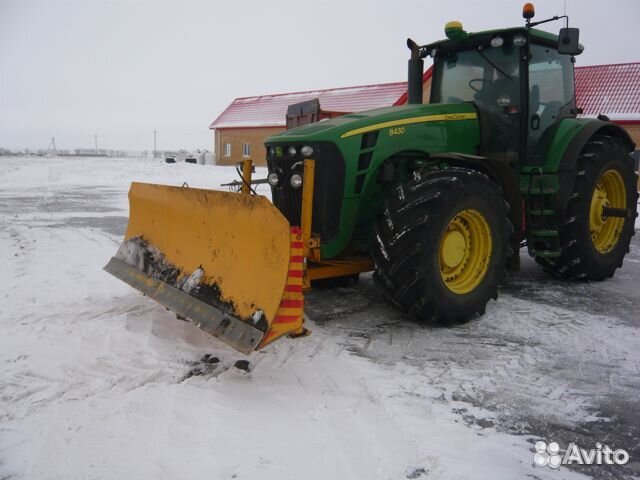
(477, 76)
(551, 88)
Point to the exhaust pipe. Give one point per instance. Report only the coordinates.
(416, 70)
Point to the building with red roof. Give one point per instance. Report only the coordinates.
(240, 131)
(611, 90)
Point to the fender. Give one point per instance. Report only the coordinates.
(567, 166)
(595, 127)
(501, 173)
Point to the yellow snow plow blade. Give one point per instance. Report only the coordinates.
(228, 262)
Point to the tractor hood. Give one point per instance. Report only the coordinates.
(355, 124)
(348, 152)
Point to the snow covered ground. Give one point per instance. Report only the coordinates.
(98, 382)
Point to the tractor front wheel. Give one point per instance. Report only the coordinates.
(442, 244)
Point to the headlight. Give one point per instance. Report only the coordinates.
(273, 179)
(307, 150)
(519, 40)
(271, 151)
(292, 151)
(296, 180)
(497, 42)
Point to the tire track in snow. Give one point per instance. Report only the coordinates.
(525, 367)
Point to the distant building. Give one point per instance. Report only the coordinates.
(611, 90)
(240, 131)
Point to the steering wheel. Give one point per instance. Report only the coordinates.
(474, 80)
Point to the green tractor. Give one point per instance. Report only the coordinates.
(441, 196)
(436, 198)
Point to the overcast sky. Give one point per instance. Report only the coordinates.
(123, 68)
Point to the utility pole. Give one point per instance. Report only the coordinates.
(155, 137)
(52, 146)
(95, 138)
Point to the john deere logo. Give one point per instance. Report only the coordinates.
(278, 151)
(456, 116)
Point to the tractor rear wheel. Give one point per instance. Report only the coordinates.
(442, 244)
(593, 245)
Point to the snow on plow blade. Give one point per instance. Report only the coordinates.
(228, 262)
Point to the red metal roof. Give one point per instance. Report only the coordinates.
(613, 90)
(405, 96)
(270, 110)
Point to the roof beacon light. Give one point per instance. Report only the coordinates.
(453, 30)
(528, 11)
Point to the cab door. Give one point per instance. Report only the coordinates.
(551, 98)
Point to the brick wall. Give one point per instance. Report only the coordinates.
(237, 137)
(634, 131)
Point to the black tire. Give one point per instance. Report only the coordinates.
(579, 257)
(408, 234)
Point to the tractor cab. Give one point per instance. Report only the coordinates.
(520, 80)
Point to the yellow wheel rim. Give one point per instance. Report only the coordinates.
(465, 251)
(609, 192)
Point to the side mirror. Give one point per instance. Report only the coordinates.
(568, 43)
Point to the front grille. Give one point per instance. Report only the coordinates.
(328, 186)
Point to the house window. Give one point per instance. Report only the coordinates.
(246, 149)
(227, 149)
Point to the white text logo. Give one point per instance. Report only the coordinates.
(548, 454)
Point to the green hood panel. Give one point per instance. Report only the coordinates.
(420, 130)
(333, 129)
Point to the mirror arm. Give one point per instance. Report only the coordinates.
(553, 19)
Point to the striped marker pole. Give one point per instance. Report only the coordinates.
(290, 315)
